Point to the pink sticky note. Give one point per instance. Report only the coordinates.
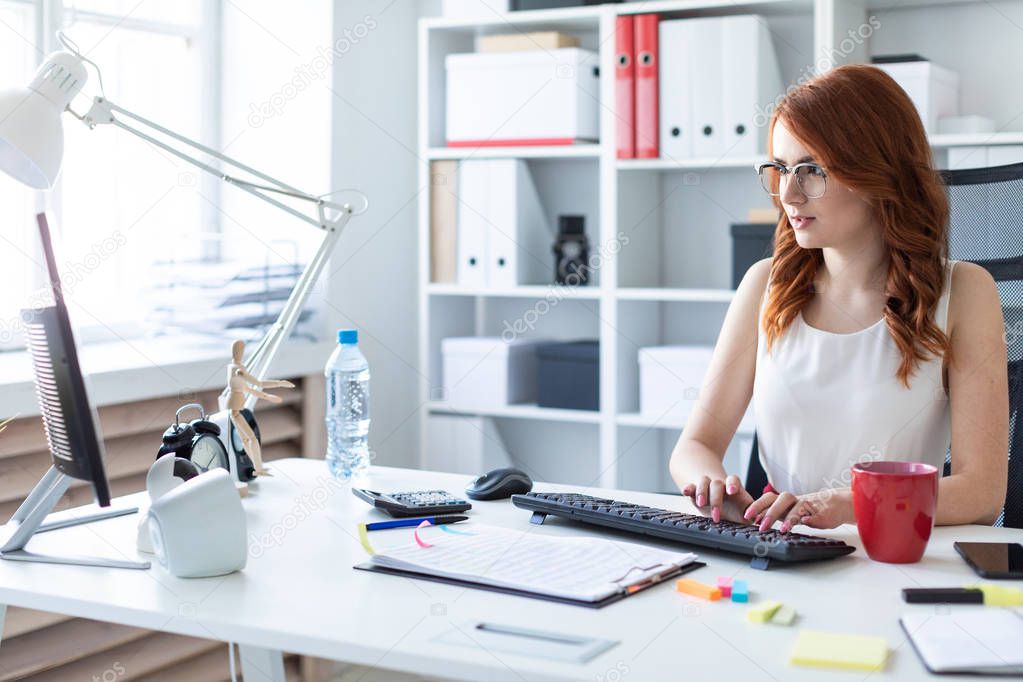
(419, 541)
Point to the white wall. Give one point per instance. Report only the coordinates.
(372, 281)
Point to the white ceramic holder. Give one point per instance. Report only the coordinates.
(196, 528)
(160, 480)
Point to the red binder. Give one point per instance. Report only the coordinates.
(647, 65)
(625, 93)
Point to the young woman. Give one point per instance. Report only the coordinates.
(858, 340)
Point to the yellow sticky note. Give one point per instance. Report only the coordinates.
(1000, 595)
(833, 650)
(364, 539)
(762, 613)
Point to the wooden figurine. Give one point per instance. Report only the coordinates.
(240, 385)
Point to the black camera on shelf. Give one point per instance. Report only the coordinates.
(571, 251)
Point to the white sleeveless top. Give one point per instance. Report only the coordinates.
(825, 401)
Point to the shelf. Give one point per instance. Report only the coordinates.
(975, 139)
(708, 163)
(566, 18)
(684, 295)
(532, 291)
(587, 17)
(671, 423)
(574, 151)
(522, 412)
(645, 420)
(695, 8)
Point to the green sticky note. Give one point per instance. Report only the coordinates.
(762, 613)
(784, 616)
(833, 650)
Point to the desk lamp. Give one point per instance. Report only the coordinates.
(32, 146)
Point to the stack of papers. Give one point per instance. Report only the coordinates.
(578, 568)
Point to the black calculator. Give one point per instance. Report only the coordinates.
(414, 503)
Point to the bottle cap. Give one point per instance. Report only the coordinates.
(347, 336)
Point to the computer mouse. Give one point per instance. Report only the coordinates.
(499, 484)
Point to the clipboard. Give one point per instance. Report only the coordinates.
(618, 596)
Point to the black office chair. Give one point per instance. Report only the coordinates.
(985, 227)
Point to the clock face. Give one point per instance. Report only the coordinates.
(208, 453)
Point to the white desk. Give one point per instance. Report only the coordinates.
(300, 594)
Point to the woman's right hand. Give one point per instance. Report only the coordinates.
(719, 499)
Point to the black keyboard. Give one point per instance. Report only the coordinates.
(690, 529)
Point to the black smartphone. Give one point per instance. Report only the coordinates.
(993, 559)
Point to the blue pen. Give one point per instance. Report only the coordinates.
(401, 523)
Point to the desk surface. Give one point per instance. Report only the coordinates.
(300, 594)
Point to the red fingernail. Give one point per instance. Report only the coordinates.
(700, 500)
(804, 519)
(715, 514)
(765, 525)
(749, 513)
(731, 490)
(784, 527)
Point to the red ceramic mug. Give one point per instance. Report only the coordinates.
(895, 505)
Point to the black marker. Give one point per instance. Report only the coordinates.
(942, 595)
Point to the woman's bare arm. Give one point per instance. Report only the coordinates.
(696, 460)
(979, 401)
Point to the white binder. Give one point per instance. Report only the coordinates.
(705, 72)
(520, 238)
(719, 81)
(751, 82)
(676, 90)
(473, 227)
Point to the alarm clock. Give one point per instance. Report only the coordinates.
(197, 441)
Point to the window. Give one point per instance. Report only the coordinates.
(127, 213)
(18, 57)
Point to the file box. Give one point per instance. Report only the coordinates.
(540, 97)
(488, 372)
(568, 375)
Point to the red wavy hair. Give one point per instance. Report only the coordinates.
(864, 130)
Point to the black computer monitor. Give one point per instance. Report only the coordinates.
(72, 431)
(72, 427)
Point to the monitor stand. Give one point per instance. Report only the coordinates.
(29, 520)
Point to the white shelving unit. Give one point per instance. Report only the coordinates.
(671, 282)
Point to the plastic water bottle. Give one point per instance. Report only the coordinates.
(347, 378)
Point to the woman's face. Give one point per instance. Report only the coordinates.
(840, 218)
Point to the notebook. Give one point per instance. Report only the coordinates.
(968, 639)
(584, 570)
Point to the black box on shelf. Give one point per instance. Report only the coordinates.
(750, 242)
(568, 375)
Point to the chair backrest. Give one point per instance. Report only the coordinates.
(985, 227)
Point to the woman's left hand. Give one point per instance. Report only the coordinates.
(823, 509)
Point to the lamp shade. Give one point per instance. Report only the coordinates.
(31, 134)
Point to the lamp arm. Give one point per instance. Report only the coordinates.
(102, 112)
(259, 361)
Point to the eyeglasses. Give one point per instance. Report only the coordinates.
(811, 179)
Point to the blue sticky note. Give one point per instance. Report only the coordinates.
(740, 592)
